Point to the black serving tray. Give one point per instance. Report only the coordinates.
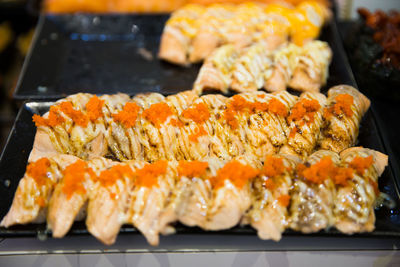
(14, 157)
(99, 54)
(106, 54)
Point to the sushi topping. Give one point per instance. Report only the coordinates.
(148, 175)
(273, 167)
(74, 178)
(53, 119)
(128, 115)
(111, 176)
(237, 173)
(360, 164)
(192, 169)
(94, 108)
(199, 113)
(304, 111)
(200, 131)
(76, 115)
(342, 106)
(38, 170)
(158, 113)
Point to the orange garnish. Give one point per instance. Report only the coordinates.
(54, 118)
(239, 104)
(342, 175)
(360, 164)
(38, 171)
(176, 123)
(158, 113)
(284, 200)
(342, 106)
(148, 175)
(74, 177)
(273, 167)
(128, 115)
(94, 108)
(230, 118)
(41, 201)
(304, 109)
(236, 172)
(293, 132)
(320, 171)
(198, 113)
(277, 107)
(192, 169)
(258, 107)
(200, 131)
(269, 184)
(76, 115)
(111, 176)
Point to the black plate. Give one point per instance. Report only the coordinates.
(103, 54)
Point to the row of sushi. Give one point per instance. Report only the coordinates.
(193, 32)
(185, 126)
(327, 189)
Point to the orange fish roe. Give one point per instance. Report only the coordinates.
(325, 169)
(76, 115)
(199, 113)
(299, 169)
(192, 169)
(258, 107)
(269, 184)
(158, 113)
(342, 106)
(199, 132)
(318, 172)
(39, 120)
(238, 173)
(74, 177)
(128, 115)
(277, 107)
(38, 171)
(342, 175)
(148, 175)
(176, 123)
(52, 120)
(284, 200)
(262, 96)
(111, 176)
(327, 113)
(304, 110)
(293, 132)
(230, 118)
(360, 164)
(273, 166)
(41, 201)
(92, 174)
(94, 108)
(237, 104)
